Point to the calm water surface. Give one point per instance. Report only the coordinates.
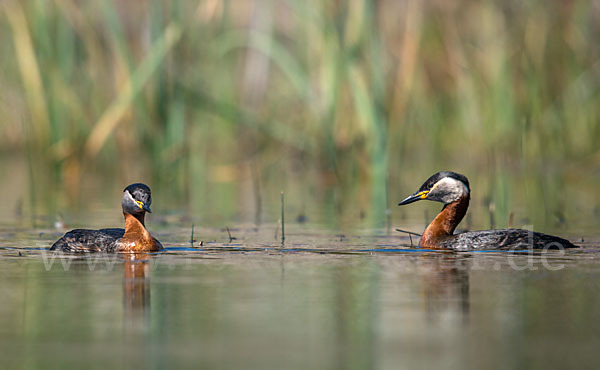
(324, 301)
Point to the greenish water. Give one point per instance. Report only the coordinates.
(323, 301)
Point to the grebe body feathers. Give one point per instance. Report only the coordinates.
(453, 190)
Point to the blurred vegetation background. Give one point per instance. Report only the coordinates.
(347, 106)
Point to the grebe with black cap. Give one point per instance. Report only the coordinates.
(452, 189)
(135, 202)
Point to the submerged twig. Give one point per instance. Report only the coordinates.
(410, 233)
(231, 238)
(282, 220)
(192, 236)
(192, 240)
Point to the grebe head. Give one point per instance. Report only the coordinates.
(136, 199)
(445, 187)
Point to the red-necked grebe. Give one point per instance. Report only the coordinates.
(452, 189)
(135, 202)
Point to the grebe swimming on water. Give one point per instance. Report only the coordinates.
(452, 189)
(134, 238)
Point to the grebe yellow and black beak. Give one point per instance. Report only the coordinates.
(415, 197)
(144, 206)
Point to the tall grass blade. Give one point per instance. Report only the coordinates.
(131, 88)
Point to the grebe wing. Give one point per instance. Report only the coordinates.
(507, 239)
(85, 240)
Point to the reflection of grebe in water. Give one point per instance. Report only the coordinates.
(136, 289)
(445, 283)
(135, 202)
(452, 189)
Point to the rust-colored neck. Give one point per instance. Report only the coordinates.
(140, 217)
(445, 222)
(136, 238)
(134, 225)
